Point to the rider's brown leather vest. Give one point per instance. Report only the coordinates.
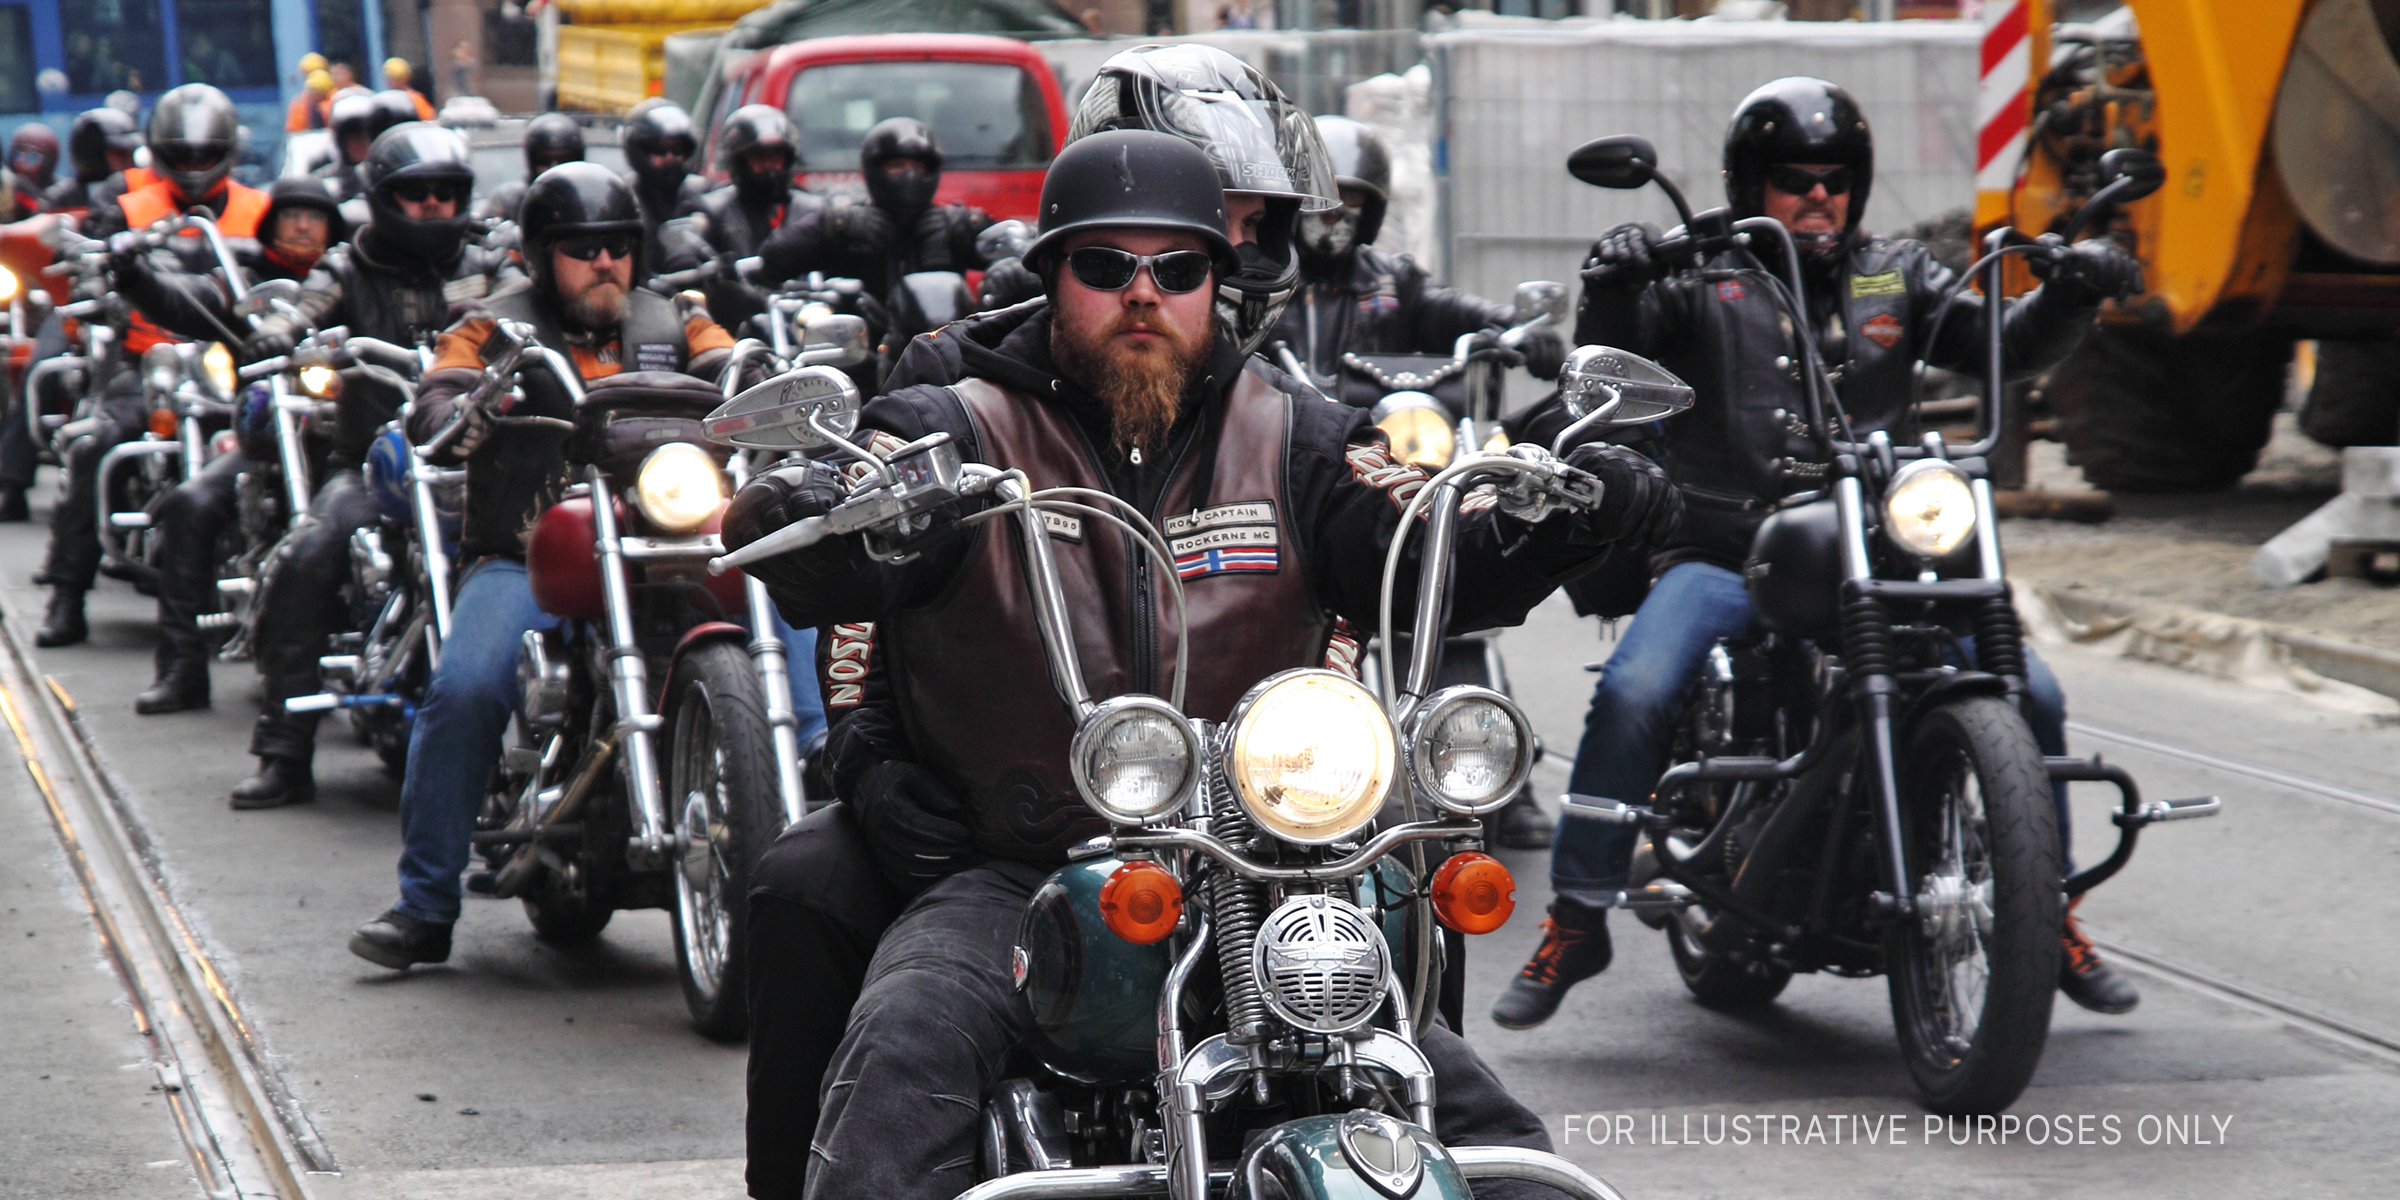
(969, 673)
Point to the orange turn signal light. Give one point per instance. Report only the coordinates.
(163, 422)
(1141, 902)
(1474, 893)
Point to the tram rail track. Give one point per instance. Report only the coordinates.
(245, 1134)
(2284, 779)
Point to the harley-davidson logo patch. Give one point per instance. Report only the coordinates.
(1883, 329)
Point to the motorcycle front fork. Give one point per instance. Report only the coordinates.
(629, 684)
(774, 678)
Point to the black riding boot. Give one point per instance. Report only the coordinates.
(63, 625)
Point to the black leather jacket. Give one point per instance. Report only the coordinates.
(658, 209)
(720, 226)
(1378, 303)
(1745, 443)
(942, 238)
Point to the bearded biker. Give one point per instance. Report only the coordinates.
(395, 283)
(582, 239)
(1798, 150)
(194, 133)
(1122, 383)
(1357, 299)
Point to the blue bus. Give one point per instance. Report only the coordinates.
(60, 57)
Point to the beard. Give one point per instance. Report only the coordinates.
(597, 307)
(1142, 385)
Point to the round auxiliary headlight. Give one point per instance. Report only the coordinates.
(679, 487)
(1419, 429)
(1135, 759)
(1311, 756)
(216, 365)
(1929, 509)
(319, 380)
(1469, 749)
(8, 286)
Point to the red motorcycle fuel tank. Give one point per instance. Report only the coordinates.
(562, 563)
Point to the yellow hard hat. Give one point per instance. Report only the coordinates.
(395, 67)
(320, 80)
(311, 61)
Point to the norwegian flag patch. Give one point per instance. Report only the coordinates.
(1241, 536)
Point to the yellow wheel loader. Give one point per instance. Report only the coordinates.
(2278, 122)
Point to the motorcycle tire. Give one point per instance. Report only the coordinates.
(1974, 971)
(723, 798)
(1716, 980)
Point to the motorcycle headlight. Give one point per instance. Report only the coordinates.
(1419, 428)
(320, 380)
(216, 366)
(1929, 509)
(679, 487)
(162, 370)
(1311, 756)
(8, 286)
(1135, 759)
(1469, 749)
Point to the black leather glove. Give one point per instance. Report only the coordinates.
(2090, 271)
(860, 229)
(1009, 281)
(784, 496)
(914, 824)
(1637, 505)
(1622, 258)
(1487, 348)
(1545, 353)
(274, 337)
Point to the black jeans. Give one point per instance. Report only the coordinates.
(300, 608)
(74, 560)
(932, 1029)
(190, 521)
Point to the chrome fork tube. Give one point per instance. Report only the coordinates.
(1185, 1110)
(437, 560)
(628, 675)
(188, 433)
(287, 447)
(774, 676)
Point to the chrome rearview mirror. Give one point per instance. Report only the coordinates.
(809, 408)
(264, 297)
(835, 340)
(1539, 298)
(1603, 386)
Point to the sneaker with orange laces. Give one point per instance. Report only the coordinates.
(2085, 979)
(1574, 948)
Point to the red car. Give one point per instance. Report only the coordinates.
(991, 100)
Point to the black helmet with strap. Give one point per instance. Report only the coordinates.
(1132, 179)
(752, 128)
(551, 139)
(572, 199)
(1260, 143)
(194, 132)
(1797, 119)
(416, 153)
(657, 127)
(901, 138)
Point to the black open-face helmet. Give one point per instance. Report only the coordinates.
(1797, 120)
(754, 127)
(569, 200)
(901, 138)
(96, 132)
(551, 139)
(194, 133)
(1360, 162)
(409, 157)
(297, 192)
(1260, 143)
(658, 127)
(1131, 179)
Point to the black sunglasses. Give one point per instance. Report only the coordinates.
(418, 191)
(619, 246)
(1108, 269)
(1800, 181)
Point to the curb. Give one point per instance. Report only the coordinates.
(2369, 667)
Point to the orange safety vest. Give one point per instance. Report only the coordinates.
(244, 208)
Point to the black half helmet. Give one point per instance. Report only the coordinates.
(551, 139)
(352, 115)
(659, 127)
(194, 133)
(416, 152)
(1260, 143)
(899, 138)
(754, 127)
(302, 191)
(1131, 179)
(1796, 119)
(1360, 161)
(96, 132)
(571, 199)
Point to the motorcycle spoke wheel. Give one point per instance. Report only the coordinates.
(721, 795)
(1975, 968)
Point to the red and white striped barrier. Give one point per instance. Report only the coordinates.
(2004, 102)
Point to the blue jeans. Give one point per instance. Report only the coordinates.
(456, 740)
(1630, 729)
(800, 662)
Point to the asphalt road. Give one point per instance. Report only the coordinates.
(522, 1070)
